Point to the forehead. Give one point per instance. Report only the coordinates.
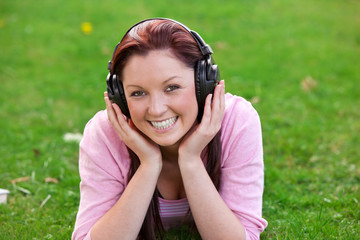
(157, 65)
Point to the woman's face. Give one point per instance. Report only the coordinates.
(160, 92)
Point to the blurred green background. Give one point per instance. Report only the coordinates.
(296, 61)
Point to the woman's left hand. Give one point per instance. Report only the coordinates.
(201, 134)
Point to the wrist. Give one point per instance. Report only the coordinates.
(153, 165)
(190, 162)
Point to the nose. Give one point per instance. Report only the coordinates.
(157, 105)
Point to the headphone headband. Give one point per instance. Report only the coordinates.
(204, 48)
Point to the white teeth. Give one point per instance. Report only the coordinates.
(164, 124)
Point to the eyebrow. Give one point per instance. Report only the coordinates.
(164, 83)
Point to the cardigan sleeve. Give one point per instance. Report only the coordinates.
(242, 180)
(103, 167)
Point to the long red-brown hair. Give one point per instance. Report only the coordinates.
(161, 34)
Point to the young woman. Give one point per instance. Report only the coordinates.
(160, 156)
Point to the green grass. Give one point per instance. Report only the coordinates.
(52, 80)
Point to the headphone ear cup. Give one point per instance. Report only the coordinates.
(206, 77)
(116, 93)
(200, 75)
(213, 74)
(109, 88)
(122, 99)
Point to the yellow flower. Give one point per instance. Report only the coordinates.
(86, 28)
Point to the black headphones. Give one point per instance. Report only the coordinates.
(206, 71)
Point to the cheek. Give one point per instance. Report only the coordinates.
(137, 111)
(189, 103)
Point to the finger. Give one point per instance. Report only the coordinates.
(218, 105)
(215, 105)
(217, 93)
(222, 97)
(109, 109)
(117, 121)
(113, 118)
(120, 116)
(206, 118)
(113, 112)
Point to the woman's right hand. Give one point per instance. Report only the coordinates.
(145, 148)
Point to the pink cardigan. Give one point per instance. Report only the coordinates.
(104, 164)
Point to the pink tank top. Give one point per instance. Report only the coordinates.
(174, 213)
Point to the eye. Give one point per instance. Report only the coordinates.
(172, 88)
(137, 93)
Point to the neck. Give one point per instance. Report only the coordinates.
(170, 153)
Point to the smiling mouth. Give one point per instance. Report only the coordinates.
(164, 124)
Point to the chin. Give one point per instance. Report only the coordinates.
(167, 143)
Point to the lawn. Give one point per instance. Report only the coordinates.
(296, 61)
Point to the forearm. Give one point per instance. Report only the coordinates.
(125, 218)
(212, 216)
